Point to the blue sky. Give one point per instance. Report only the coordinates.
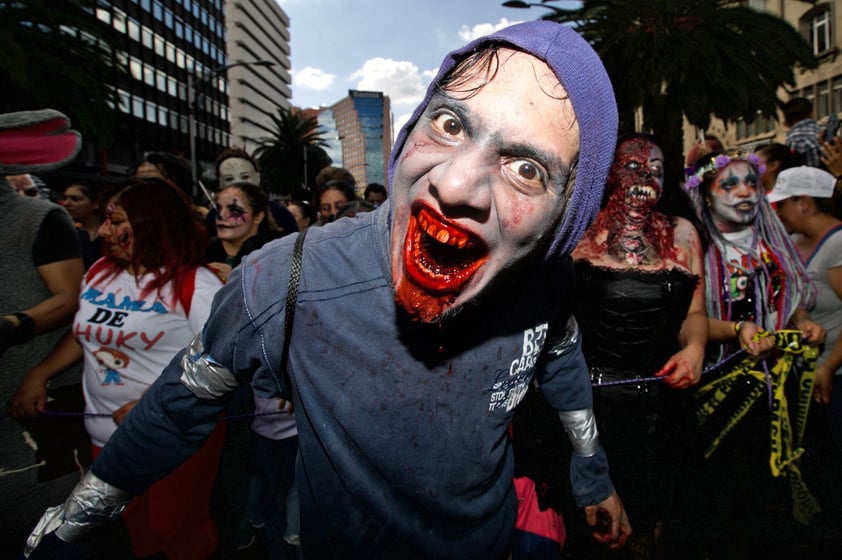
(393, 46)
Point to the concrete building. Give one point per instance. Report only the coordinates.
(362, 124)
(820, 23)
(258, 30)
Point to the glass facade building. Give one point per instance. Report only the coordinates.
(364, 124)
(167, 46)
(161, 44)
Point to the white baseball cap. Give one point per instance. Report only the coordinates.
(801, 181)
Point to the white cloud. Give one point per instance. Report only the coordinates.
(399, 122)
(313, 78)
(467, 33)
(399, 79)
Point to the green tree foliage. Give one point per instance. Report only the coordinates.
(57, 54)
(295, 143)
(692, 57)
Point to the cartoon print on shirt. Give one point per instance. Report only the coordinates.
(110, 361)
(741, 282)
(511, 384)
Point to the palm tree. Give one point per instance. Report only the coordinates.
(293, 155)
(692, 57)
(58, 55)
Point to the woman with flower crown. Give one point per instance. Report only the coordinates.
(755, 285)
(755, 278)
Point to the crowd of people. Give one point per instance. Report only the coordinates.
(338, 377)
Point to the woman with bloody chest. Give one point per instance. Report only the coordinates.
(640, 306)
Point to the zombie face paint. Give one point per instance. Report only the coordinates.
(236, 170)
(116, 233)
(734, 197)
(479, 184)
(634, 187)
(23, 184)
(236, 221)
(637, 177)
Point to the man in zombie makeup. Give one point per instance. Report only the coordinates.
(417, 327)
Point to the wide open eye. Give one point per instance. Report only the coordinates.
(525, 174)
(446, 124)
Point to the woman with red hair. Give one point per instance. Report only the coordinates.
(139, 305)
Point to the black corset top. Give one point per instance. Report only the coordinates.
(629, 318)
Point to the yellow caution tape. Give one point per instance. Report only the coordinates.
(786, 429)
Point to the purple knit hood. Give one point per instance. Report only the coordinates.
(583, 76)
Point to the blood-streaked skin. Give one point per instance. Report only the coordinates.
(480, 185)
(116, 233)
(628, 227)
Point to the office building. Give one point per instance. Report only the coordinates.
(173, 47)
(362, 123)
(258, 30)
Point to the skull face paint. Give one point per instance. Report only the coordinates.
(734, 197)
(116, 233)
(236, 221)
(480, 184)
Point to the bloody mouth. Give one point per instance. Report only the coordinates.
(440, 256)
(640, 195)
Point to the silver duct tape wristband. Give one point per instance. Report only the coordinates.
(203, 376)
(567, 339)
(92, 503)
(580, 426)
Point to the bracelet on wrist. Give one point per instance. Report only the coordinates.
(737, 326)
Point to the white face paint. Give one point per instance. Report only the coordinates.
(734, 197)
(237, 170)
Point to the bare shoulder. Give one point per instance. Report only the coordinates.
(685, 232)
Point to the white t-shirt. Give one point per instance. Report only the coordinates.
(127, 341)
